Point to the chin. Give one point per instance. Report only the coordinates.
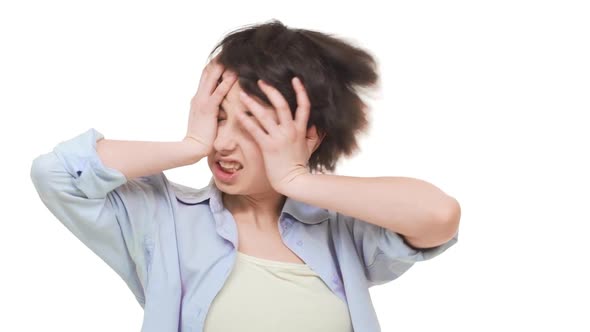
(230, 189)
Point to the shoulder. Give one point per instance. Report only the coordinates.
(186, 194)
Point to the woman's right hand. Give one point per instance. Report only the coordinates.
(202, 121)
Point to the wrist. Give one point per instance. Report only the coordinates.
(298, 183)
(194, 149)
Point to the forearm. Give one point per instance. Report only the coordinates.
(408, 206)
(141, 158)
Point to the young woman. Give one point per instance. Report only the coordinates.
(272, 243)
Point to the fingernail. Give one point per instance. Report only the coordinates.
(243, 94)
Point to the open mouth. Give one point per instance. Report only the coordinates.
(230, 170)
(226, 175)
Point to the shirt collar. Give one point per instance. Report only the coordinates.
(301, 211)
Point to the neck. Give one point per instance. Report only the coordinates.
(257, 210)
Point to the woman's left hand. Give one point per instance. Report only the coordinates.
(285, 146)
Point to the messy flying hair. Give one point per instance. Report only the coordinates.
(330, 68)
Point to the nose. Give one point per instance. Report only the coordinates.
(227, 137)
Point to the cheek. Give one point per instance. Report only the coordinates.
(252, 154)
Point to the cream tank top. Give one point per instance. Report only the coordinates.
(265, 295)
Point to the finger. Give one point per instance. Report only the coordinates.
(205, 72)
(303, 105)
(253, 127)
(227, 74)
(212, 62)
(262, 114)
(211, 75)
(278, 101)
(223, 88)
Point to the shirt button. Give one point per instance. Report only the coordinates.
(300, 243)
(285, 226)
(335, 280)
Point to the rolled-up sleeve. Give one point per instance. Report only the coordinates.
(99, 205)
(385, 254)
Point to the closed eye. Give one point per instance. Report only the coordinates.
(248, 113)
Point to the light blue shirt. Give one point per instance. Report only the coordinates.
(175, 246)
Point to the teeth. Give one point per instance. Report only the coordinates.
(230, 165)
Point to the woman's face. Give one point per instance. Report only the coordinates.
(234, 142)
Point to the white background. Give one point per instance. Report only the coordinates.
(486, 100)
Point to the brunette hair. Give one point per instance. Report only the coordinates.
(330, 68)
